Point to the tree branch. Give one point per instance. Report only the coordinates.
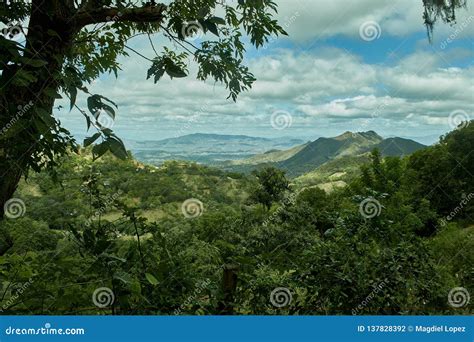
(144, 14)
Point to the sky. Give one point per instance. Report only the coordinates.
(345, 66)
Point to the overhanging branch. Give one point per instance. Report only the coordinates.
(144, 14)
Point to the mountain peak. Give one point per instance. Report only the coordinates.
(344, 136)
(371, 135)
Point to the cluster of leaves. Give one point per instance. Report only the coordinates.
(440, 9)
(70, 59)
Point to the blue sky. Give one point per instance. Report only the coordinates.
(357, 66)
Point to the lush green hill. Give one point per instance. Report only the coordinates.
(336, 172)
(398, 147)
(324, 150)
(156, 192)
(310, 158)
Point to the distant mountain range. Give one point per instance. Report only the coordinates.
(308, 157)
(337, 158)
(207, 149)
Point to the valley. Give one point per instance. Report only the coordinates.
(328, 162)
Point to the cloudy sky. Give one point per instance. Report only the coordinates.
(346, 65)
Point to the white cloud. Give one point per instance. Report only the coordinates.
(320, 19)
(322, 89)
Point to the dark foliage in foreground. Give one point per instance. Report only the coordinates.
(392, 242)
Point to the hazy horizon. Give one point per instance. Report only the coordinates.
(426, 140)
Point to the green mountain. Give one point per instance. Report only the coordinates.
(398, 146)
(323, 150)
(335, 173)
(325, 156)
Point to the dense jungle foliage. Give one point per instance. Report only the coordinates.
(121, 225)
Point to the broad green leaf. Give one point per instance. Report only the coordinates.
(217, 21)
(37, 63)
(175, 71)
(47, 118)
(151, 279)
(89, 140)
(117, 148)
(100, 149)
(72, 96)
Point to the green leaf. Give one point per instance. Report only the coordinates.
(108, 100)
(52, 33)
(117, 148)
(93, 104)
(175, 71)
(158, 75)
(89, 140)
(109, 110)
(51, 92)
(37, 63)
(47, 118)
(23, 78)
(72, 96)
(203, 11)
(88, 120)
(217, 20)
(211, 27)
(100, 149)
(151, 279)
(114, 257)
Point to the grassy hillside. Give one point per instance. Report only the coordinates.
(324, 150)
(314, 162)
(341, 170)
(156, 192)
(272, 156)
(398, 147)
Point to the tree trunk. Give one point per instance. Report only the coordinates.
(19, 104)
(51, 30)
(229, 285)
